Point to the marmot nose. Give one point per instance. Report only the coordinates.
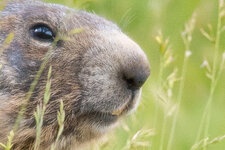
(136, 75)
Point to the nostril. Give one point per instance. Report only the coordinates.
(130, 83)
(134, 82)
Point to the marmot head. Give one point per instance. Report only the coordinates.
(97, 72)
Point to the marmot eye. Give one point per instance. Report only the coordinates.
(42, 32)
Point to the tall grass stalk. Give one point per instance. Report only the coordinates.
(164, 92)
(60, 118)
(139, 140)
(30, 92)
(215, 75)
(5, 45)
(39, 114)
(161, 143)
(169, 107)
(7, 42)
(9, 144)
(163, 45)
(206, 142)
(174, 121)
(187, 38)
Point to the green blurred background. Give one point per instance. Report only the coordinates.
(141, 20)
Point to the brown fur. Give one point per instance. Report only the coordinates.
(87, 73)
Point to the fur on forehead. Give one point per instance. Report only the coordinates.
(55, 11)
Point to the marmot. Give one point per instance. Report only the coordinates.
(97, 72)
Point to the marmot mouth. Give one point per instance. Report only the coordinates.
(108, 118)
(102, 118)
(127, 106)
